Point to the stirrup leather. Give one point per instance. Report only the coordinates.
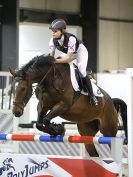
(93, 101)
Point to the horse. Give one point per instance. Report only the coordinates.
(58, 98)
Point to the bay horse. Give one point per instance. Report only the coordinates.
(58, 98)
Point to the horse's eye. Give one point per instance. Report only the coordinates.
(24, 87)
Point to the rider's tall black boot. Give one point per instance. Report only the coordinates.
(88, 85)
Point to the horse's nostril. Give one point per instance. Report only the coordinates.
(17, 114)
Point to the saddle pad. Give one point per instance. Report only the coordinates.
(75, 85)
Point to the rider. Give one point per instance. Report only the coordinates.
(74, 49)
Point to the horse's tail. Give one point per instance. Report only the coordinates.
(121, 108)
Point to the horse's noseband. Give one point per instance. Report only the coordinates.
(18, 104)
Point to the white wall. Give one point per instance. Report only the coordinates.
(57, 5)
(114, 84)
(115, 51)
(33, 40)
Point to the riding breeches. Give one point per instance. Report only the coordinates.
(82, 59)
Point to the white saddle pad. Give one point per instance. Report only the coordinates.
(75, 85)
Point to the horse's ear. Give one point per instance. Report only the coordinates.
(12, 71)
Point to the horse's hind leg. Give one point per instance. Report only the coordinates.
(109, 120)
(89, 129)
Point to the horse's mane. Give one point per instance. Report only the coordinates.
(38, 61)
(42, 60)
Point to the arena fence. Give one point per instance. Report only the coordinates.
(5, 91)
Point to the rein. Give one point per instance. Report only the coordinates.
(62, 78)
(44, 77)
(53, 66)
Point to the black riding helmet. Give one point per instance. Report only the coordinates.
(58, 24)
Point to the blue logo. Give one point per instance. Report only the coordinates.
(7, 165)
(99, 91)
(28, 169)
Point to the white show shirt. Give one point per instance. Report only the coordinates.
(81, 54)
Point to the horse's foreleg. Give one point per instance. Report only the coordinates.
(89, 129)
(52, 128)
(42, 109)
(57, 110)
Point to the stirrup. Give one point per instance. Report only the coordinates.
(93, 101)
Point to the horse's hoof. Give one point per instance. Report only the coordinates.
(58, 128)
(54, 129)
(46, 121)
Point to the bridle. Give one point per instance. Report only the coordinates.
(22, 104)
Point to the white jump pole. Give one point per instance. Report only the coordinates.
(129, 72)
(116, 152)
